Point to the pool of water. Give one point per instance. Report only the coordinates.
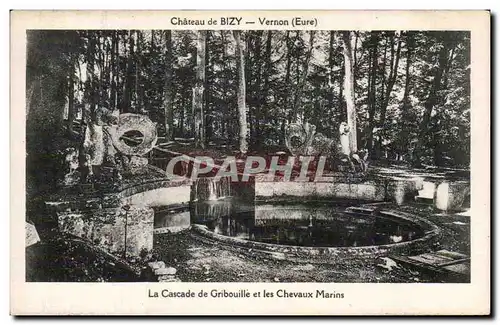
(316, 225)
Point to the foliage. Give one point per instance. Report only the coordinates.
(402, 112)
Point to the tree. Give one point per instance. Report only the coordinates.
(372, 84)
(432, 97)
(242, 116)
(302, 78)
(265, 91)
(114, 69)
(137, 59)
(349, 90)
(406, 105)
(129, 75)
(397, 91)
(391, 79)
(71, 96)
(168, 89)
(91, 94)
(198, 114)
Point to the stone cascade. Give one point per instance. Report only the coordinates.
(210, 189)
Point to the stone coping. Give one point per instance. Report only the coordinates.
(113, 199)
(330, 254)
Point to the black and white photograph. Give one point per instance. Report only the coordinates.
(248, 155)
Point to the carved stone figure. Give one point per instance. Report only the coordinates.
(358, 161)
(72, 173)
(108, 150)
(344, 138)
(302, 139)
(97, 149)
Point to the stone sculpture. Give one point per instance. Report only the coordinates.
(302, 139)
(106, 152)
(72, 175)
(97, 153)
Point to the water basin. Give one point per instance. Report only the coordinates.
(312, 224)
(305, 225)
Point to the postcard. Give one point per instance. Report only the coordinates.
(250, 163)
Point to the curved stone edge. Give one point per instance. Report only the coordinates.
(330, 254)
(111, 200)
(169, 230)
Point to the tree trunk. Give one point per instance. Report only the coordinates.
(303, 78)
(168, 91)
(71, 97)
(258, 87)
(225, 117)
(100, 60)
(198, 114)
(391, 80)
(265, 91)
(340, 113)
(181, 119)
(113, 71)
(88, 112)
(138, 98)
(118, 99)
(331, 64)
(249, 75)
(209, 125)
(349, 91)
(448, 66)
(108, 69)
(242, 116)
(432, 99)
(287, 86)
(355, 60)
(372, 96)
(130, 70)
(403, 138)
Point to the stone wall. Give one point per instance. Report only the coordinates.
(399, 190)
(119, 221)
(450, 196)
(113, 229)
(369, 191)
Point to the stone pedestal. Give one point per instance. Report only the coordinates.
(450, 196)
(403, 190)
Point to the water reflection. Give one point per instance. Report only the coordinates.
(301, 225)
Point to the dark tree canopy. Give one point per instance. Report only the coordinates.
(410, 95)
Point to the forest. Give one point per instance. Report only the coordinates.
(406, 93)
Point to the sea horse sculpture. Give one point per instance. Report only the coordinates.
(103, 154)
(97, 147)
(302, 139)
